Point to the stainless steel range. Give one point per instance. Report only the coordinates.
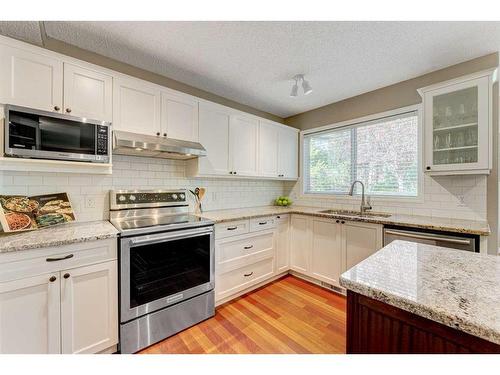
(166, 265)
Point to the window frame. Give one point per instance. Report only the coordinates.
(351, 123)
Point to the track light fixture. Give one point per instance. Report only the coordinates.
(305, 86)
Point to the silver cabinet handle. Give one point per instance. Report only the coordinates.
(248, 274)
(61, 258)
(429, 237)
(232, 228)
(248, 247)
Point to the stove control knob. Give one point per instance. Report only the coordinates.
(121, 198)
(174, 196)
(131, 197)
(182, 196)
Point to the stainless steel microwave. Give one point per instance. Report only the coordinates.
(31, 133)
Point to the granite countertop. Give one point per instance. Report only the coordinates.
(459, 289)
(437, 223)
(58, 235)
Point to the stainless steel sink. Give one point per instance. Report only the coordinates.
(354, 213)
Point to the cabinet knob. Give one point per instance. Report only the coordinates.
(66, 275)
(68, 110)
(234, 172)
(428, 168)
(56, 108)
(157, 133)
(337, 221)
(52, 279)
(164, 134)
(342, 222)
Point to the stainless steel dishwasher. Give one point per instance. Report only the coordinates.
(460, 241)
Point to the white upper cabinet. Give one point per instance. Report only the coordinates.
(243, 145)
(136, 106)
(30, 79)
(268, 149)
(214, 136)
(288, 155)
(179, 117)
(88, 93)
(457, 126)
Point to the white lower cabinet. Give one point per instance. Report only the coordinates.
(300, 243)
(66, 306)
(282, 243)
(359, 241)
(326, 250)
(89, 308)
(30, 315)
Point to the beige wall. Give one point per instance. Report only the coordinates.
(94, 58)
(387, 98)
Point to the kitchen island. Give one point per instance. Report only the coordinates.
(417, 298)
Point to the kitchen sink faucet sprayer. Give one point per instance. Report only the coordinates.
(365, 205)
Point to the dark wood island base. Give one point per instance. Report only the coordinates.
(376, 327)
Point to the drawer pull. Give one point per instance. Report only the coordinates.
(263, 223)
(248, 247)
(58, 259)
(232, 228)
(248, 274)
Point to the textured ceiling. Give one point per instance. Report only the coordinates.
(253, 62)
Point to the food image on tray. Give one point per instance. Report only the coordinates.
(17, 221)
(19, 213)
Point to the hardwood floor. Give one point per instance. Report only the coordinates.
(287, 316)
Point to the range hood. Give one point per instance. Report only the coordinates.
(126, 143)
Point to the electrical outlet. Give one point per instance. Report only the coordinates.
(89, 202)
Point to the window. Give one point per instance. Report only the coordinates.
(382, 153)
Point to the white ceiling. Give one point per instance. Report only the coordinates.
(253, 62)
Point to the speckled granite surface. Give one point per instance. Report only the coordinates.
(436, 223)
(456, 288)
(58, 235)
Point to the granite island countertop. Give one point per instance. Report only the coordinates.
(59, 235)
(436, 223)
(459, 289)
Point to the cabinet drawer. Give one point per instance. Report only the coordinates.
(29, 263)
(261, 223)
(241, 278)
(232, 228)
(244, 250)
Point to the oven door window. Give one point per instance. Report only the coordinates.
(162, 269)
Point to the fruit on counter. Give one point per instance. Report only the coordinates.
(283, 201)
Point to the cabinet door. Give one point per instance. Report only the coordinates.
(300, 244)
(282, 243)
(179, 117)
(243, 141)
(359, 241)
(136, 106)
(457, 124)
(89, 308)
(288, 155)
(31, 80)
(88, 93)
(326, 253)
(268, 149)
(29, 315)
(214, 136)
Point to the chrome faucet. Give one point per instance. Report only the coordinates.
(365, 205)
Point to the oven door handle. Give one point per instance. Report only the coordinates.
(144, 240)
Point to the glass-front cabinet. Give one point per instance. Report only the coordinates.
(457, 126)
